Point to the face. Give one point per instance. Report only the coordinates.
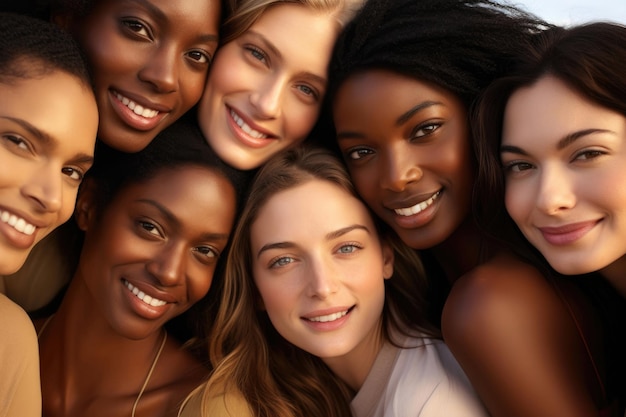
(150, 61)
(152, 252)
(320, 269)
(407, 148)
(565, 160)
(265, 89)
(44, 151)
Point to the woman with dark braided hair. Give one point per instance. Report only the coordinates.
(404, 76)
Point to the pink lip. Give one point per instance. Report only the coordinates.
(145, 310)
(134, 120)
(327, 325)
(17, 239)
(567, 234)
(242, 136)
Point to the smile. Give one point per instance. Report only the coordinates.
(17, 223)
(329, 317)
(154, 302)
(409, 211)
(136, 108)
(245, 127)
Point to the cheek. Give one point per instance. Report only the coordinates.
(300, 119)
(516, 201)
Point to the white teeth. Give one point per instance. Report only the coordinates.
(247, 129)
(154, 302)
(17, 223)
(329, 317)
(418, 207)
(136, 108)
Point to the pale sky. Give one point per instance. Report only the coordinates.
(565, 12)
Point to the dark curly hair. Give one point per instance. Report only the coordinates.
(31, 47)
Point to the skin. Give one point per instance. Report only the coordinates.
(308, 269)
(564, 158)
(265, 90)
(155, 53)
(161, 236)
(407, 144)
(44, 151)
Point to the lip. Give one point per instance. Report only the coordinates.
(328, 319)
(567, 234)
(140, 306)
(416, 211)
(247, 139)
(132, 119)
(21, 239)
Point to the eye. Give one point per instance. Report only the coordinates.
(137, 27)
(355, 154)
(425, 130)
(199, 56)
(281, 261)
(207, 252)
(349, 248)
(517, 166)
(256, 53)
(150, 227)
(73, 173)
(308, 91)
(15, 141)
(589, 154)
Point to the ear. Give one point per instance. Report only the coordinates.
(387, 260)
(85, 210)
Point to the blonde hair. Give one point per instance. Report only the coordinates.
(242, 14)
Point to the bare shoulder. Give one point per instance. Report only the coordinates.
(516, 340)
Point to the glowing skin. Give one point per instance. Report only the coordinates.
(565, 160)
(48, 130)
(150, 60)
(151, 254)
(407, 148)
(265, 88)
(320, 268)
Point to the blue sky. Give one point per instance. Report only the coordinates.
(576, 11)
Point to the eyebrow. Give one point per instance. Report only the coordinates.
(329, 236)
(564, 142)
(174, 220)
(274, 50)
(400, 121)
(160, 15)
(46, 139)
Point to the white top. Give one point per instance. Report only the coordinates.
(423, 379)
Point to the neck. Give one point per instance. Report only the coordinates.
(354, 366)
(460, 252)
(615, 273)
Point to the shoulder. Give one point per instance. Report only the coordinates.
(428, 381)
(219, 403)
(15, 325)
(498, 294)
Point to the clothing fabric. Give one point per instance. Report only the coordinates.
(20, 387)
(231, 404)
(420, 379)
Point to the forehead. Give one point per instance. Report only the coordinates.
(309, 210)
(304, 37)
(58, 105)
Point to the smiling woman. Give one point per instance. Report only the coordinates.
(155, 225)
(265, 89)
(149, 58)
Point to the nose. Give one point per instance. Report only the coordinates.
(267, 98)
(399, 169)
(161, 69)
(168, 264)
(323, 280)
(555, 191)
(45, 188)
